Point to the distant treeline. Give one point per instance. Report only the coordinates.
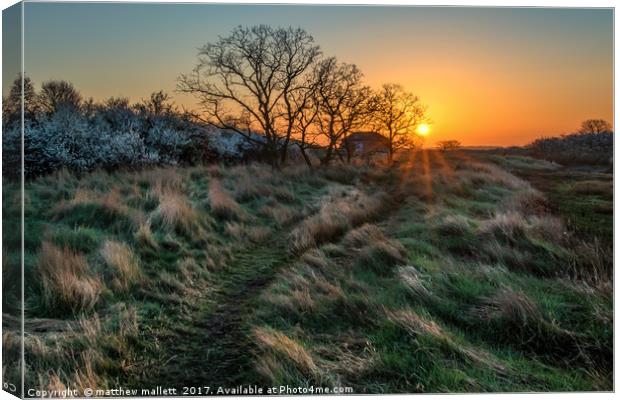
(592, 144)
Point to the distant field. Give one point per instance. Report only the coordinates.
(453, 272)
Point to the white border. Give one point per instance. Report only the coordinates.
(476, 3)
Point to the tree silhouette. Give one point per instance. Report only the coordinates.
(446, 145)
(58, 94)
(12, 103)
(397, 114)
(246, 82)
(595, 126)
(342, 101)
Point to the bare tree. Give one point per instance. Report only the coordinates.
(446, 145)
(55, 95)
(397, 114)
(246, 82)
(595, 126)
(342, 103)
(12, 103)
(304, 102)
(158, 104)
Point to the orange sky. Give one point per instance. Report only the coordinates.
(490, 76)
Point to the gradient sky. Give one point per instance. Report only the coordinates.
(490, 76)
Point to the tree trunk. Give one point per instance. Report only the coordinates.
(306, 158)
(284, 151)
(328, 155)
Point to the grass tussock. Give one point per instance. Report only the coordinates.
(144, 236)
(422, 326)
(285, 360)
(528, 201)
(337, 214)
(513, 308)
(66, 279)
(94, 209)
(381, 257)
(363, 236)
(222, 204)
(414, 281)
(124, 264)
(242, 231)
(282, 215)
(592, 187)
(175, 212)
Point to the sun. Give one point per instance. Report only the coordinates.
(423, 129)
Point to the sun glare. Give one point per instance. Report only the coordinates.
(423, 129)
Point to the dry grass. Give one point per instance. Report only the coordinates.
(593, 263)
(413, 280)
(281, 214)
(65, 279)
(363, 236)
(161, 179)
(489, 173)
(528, 201)
(454, 225)
(144, 236)
(123, 262)
(510, 226)
(604, 188)
(337, 215)
(221, 203)
(283, 359)
(511, 307)
(241, 231)
(416, 324)
(381, 257)
(175, 212)
(505, 225)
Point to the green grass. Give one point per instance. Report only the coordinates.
(464, 288)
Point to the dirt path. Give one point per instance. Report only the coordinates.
(211, 345)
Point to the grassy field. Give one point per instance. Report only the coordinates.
(452, 272)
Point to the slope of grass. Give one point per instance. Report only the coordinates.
(444, 274)
(480, 298)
